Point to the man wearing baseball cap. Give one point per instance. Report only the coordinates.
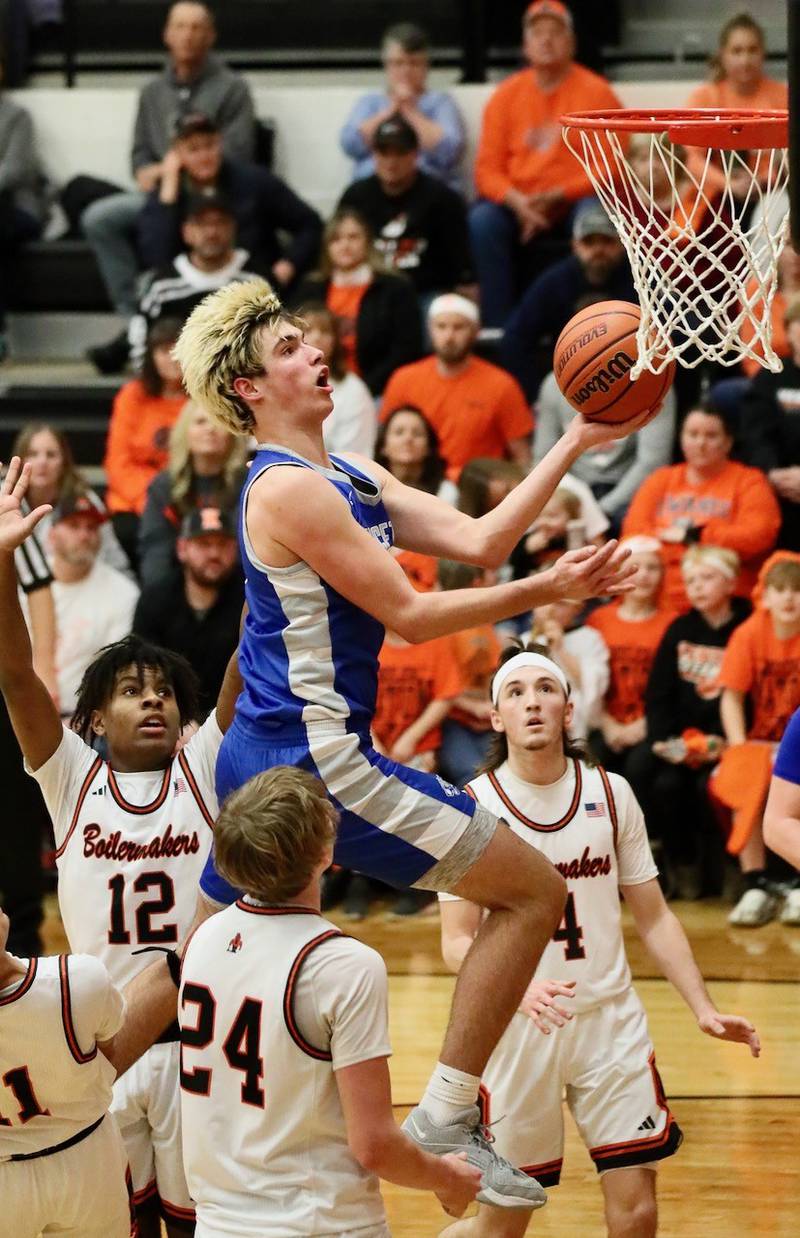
(527, 180)
(94, 603)
(211, 260)
(419, 224)
(196, 609)
(263, 204)
(597, 267)
(476, 408)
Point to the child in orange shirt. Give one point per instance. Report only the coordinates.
(761, 675)
(467, 730)
(632, 629)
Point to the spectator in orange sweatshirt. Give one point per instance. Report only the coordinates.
(709, 499)
(143, 413)
(737, 80)
(527, 180)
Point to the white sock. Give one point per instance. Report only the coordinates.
(449, 1092)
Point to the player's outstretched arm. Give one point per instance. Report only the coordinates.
(380, 1147)
(33, 715)
(151, 1004)
(665, 939)
(301, 513)
(423, 522)
(782, 820)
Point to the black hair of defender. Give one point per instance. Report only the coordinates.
(97, 685)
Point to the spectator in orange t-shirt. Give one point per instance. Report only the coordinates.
(738, 81)
(709, 499)
(476, 408)
(467, 729)
(527, 180)
(143, 413)
(632, 628)
(761, 669)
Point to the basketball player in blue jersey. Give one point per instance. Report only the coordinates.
(782, 813)
(315, 532)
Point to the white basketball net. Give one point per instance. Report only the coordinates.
(704, 260)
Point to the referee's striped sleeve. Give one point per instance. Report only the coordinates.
(33, 571)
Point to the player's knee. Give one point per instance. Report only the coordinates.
(635, 1218)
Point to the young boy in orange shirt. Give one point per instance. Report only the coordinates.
(761, 676)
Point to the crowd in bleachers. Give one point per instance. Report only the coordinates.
(397, 289)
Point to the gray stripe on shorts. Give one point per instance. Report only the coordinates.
(379, 798)
(447, 873)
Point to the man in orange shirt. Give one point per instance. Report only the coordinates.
(527, 180)
(476, 408)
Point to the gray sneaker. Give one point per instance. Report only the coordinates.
(501, 1184)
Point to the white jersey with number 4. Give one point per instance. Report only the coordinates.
(130, 848)
(590, 826)
(273, 1001)
(54, 1081)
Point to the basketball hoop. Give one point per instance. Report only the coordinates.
(703, 245)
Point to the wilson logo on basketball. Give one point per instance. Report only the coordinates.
(569, 352)
(604, 378)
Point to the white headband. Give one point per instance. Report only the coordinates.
(527, 659)
(713, 558)
(454, 303)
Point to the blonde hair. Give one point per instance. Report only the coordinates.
(221, 341)
(724, 560)
(181, 469)
(272, 833)
(569, 501)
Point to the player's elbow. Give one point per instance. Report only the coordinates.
(372, 1148)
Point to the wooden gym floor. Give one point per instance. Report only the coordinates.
(738, 1172)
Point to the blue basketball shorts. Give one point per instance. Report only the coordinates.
(399, 825)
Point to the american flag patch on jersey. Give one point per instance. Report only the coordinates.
(594, 809)
(180, 787)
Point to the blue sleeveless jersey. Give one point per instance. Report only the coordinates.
(307, 654)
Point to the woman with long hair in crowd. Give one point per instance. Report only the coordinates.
(408, 446)
(55, 477)
(205, 467)
(378, 312)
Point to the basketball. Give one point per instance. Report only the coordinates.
(592, 360)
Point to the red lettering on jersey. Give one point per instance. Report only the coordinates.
(114, 847)
(586, 866)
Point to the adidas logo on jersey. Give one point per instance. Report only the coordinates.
(235, 944)
(647, 1125)
(99, 791)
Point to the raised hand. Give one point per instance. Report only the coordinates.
(14, 526)
(592, 573)
(731, 1027)
(591, 434)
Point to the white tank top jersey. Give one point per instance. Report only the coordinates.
(273, 1001)
(130, 848)
(54, 1081)
(590, 826)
